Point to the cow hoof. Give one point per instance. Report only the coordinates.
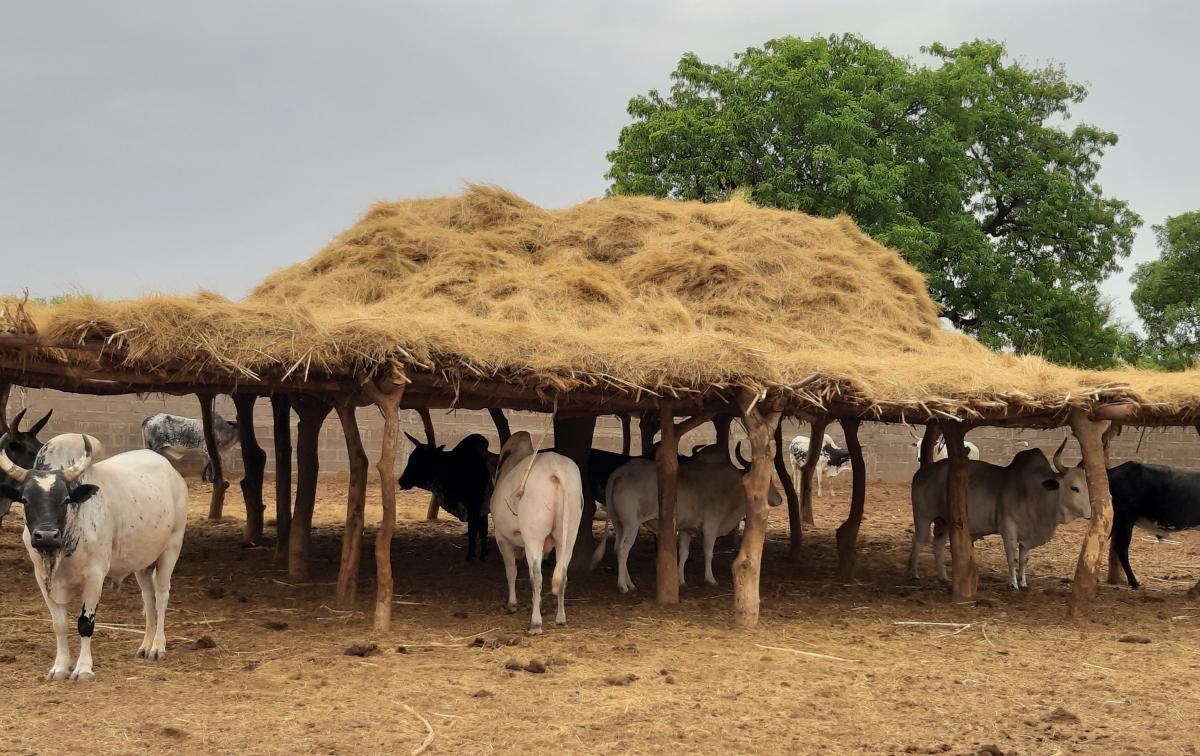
(510, 609)
(58, 674)
(1138, 586)
(141, 653)
(710, 582)
(470, 557)
(535, 630)
(560, 623)
(82, 675)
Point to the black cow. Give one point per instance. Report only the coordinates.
(1153, 497)
(463, 478)
(22, 448)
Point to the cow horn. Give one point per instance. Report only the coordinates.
(1057, 462)
(7, 466)
(81, 464)
(737, 452)
(37, 427)
(5, 389)
(699, 447)
(16, 423)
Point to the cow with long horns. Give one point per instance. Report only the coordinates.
(21, 446)
(1024, 502)
(86, 522)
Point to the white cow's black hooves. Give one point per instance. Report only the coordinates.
(534, 630)
(58, 674)
(83, 676)
(512, 609)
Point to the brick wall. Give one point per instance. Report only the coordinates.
(889, 451)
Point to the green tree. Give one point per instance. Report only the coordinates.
(965, 167)
(1167, 295)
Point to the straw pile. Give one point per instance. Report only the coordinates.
(629, 293)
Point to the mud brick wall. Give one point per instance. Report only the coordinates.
(889, 451)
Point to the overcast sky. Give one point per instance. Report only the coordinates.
(162, 146)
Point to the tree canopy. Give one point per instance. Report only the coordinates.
(1167, 295)
(967, 167)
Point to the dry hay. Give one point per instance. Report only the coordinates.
(626, 676)
(625, 292)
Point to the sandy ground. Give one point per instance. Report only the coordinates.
(626, 676)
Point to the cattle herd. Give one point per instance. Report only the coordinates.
(88, 518)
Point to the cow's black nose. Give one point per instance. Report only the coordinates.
(44, 537)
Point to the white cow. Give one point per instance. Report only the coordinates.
(537, 504)
(65, 450)
(89, 521)
(1024, 502)
(830, 463)
(710, 500)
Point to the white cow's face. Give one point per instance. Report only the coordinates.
(1073, 501)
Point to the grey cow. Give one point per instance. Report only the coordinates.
(1024, 502)
(176, 437)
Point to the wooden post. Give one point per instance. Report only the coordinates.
(626, 433)
(503, 432)
(386, 392)
(847, 532)
(217, 503)
(647, 427)
(312, 411)
(808, 471)
(929, 444)
(356, 502)
(1090, 434)
(435, 498)
(795, 523)
(254, 459)
(964, 573)
(667, 462)
(760, 425)
(573, 438)
(281, 421)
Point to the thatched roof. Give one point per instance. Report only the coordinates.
(626, 294)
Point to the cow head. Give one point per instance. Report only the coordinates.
(1070, 483)
(20, 446)
(773, 497)
(422, 467)
(46, 495)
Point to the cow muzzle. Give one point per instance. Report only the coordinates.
(45, 538)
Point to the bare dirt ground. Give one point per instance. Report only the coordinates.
(626, 676)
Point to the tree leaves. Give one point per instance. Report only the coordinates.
(1167, 295)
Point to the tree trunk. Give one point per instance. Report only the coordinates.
(254, 459)
(667, 462)
(387, 398)
(626, 433)
(929, 444)
(760, 428)
(312, 411)
(795, 525)
(647, 427)
(964, 573)
(503, 431)
(573, 438)
(281, 420)
(356, 502)
(435, 497)
(217, 504)
(808, 471)
(1095, 544)
(847, 533)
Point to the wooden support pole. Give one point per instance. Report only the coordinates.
(312, 411)
(964, 573)
(847, 532)
(254, 460)
(356, 502)
(667, 463)
(503, 431)
(647, 428)
(386, 392)
(760, 425)
(1115, 573)
(808, 472)
(573, 438)
(217, 503)
(1090, 434)
(435, 497)
(795, 523)
(929, 444)
(626, 433)
(281, 422)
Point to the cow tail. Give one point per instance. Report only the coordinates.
(562, 555)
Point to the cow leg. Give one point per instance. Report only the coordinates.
(1011, 555)
(562, 555)
(624, 539)
(471, 525)
(162, 594)
(685, 543)
(509, 556)
(145, 579)
(58, 617)
(481, 532)
(1122, 534)
(919, 539)
(533, 557)
(710, 543)
(93, 584)
(1024, 557)
(940, 536)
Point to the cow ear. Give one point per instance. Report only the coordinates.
(83, 492)
(1050, 484)
(9, 492)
